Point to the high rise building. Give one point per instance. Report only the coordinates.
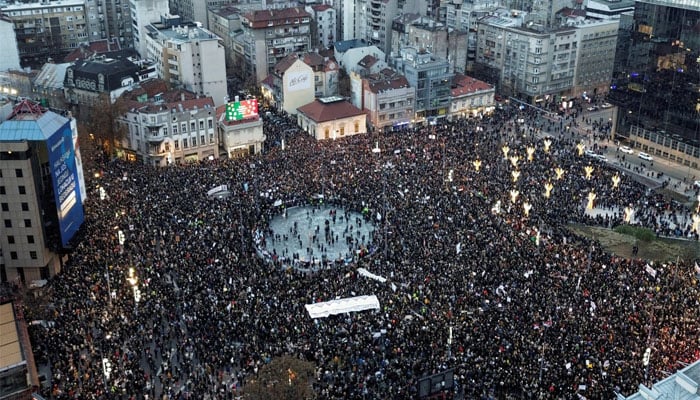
(189, 57)
(657, 80)
(42, 191)
(8, 46)
(143, 13)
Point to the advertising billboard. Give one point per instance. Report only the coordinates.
(65, 176)
(238, 110)
(298, 81)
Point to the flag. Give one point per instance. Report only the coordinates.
(697, 268)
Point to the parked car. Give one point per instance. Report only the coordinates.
(606, 105)
(696, 184)
(626, 149)
(592, 108)
(645, 156)
(590, 153)
(601, 157)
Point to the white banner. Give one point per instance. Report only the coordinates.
(342, 306)
(218, 189)
(298, 81)
(370, 275)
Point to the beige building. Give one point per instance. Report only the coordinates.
(291, 84)
(388, 100)
(596, 55)
(471, 97)
(270, 35)
(47, 29)
(239, 138)
(167, 127)
(331, 118)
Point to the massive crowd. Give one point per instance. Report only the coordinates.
(515, 303)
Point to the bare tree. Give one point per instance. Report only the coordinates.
(100, 121)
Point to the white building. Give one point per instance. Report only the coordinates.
(8, 46)
(144, 13)
(191, 58)
(240, 138)
(169, 127)
(349, 53)
(322, 26)
(331, 118)
(471, 97)
(291, 84)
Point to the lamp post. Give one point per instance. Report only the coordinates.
(560, 172)
(588, 170)
(548, 189)
(477, 164)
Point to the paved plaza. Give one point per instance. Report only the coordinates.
(318, 233)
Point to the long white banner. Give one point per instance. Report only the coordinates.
(342, 306)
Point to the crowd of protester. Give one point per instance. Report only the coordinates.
(517, 305)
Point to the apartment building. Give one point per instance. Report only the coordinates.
(432, 78)
(87, 80)
(189, 57)
(471, 97)
(167, 127)
(144, 13)
(323, 23)
(225, 22)
(388, 100)
(270, 35)
(46, 30)
(435, 37)
(8, 47)
(596, 56)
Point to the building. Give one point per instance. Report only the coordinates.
(331, 118)
(323, 24)
(225, 22)
(46, 30)
(683, 384)
(608, 9)
(110, 48)
(144, 13)
(378, 15)
(435, 37)
(657, 81)
(388, 100)
(48, 85)
(597, 41)
(17, 368)
(270, 35)
(169, 126)
(190, 58)
(349, 53)
(471, 97)
(240, 138)
(291, 84)
(8, 47)
(86, 81)
(432, 78)
(42, 191)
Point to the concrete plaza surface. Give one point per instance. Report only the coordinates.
(310, 234)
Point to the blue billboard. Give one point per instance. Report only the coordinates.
(66, 183)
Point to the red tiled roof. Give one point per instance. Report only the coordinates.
(282, 16)
(320, 7)
(367, 61)
(97, 47)
(323, 112)
(284, 64)
(462, 84)
(171, 100)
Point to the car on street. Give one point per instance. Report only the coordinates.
(590, 153)
(645, 156)
(626, 149)
(606, 105)
(696, 184)
(592, 108)
(601, 157)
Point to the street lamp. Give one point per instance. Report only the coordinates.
(477, 164)
(560, 172)
(580, 148)
(591, 197)
(548, 189)
(516, 175)
(505, 149)
(588, 170)
(514, 161)
(547, 145)
(616, 181)
(629, 212)
(514, 196)
(530, 152)
(526, 208)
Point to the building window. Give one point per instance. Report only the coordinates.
(8, 223)
(193, 127)
(5, 207)
(32, 255)
(25, 206)
(211, 138)
(201, 124)
(27, 223)
(184, 127)
(30, 239)
(22, 190)
(177, 144)
(19, 173)
(201, 140)
(184, 143)
(357, 126)
(13, 255)
(174, 128)
(210, 125)
(194, 141)
(2, 189)
(11, 239)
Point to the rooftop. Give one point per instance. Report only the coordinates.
(39, 4)
(329, 109)
(10, 350)
(379, 83)
(271, 17)
(183, 33)
(30, 122)
(345, 45)
(463, 85)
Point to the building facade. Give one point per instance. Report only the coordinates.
(8, 47)
(291, 84)
(240, 138)
(471, 97)
(597, 41)
(432, 78)
(270, 35)
(144, 13)
(388, 100)
(41, 194)
(175, 126)
(323, 32)
(86, 81)
(331, 118)
(225, 22)
(190, 58)
(47, 29)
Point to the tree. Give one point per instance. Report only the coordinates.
(100, 122)
(284, 378)
(344, 88)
